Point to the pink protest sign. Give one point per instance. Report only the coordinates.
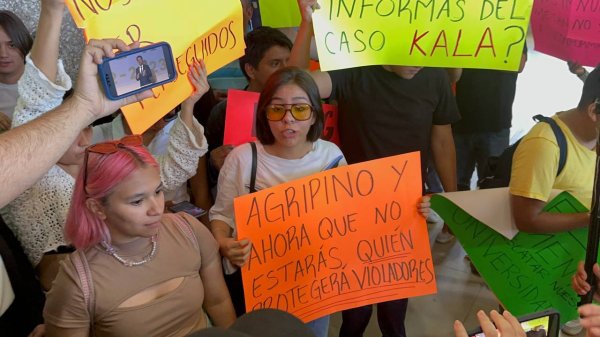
(240, 116)
(240, 119)
(550, 23)
(584, 23)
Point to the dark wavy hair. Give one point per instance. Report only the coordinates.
(16, 31)
(289, 75)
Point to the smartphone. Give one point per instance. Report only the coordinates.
(540, 324)
(136, 70)
(187, 207)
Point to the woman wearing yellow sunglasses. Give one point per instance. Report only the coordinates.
(289, 122)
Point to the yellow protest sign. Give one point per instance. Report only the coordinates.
(83, 10)
(195, 29)
(439, 33)
(279, 13)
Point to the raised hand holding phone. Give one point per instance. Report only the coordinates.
(88, 96)
(494, 325)
(136, 70)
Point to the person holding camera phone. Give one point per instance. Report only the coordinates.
(37, 216)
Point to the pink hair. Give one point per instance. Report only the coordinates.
(104, 172)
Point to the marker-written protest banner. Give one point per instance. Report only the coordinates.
(529, 273)
(562, 29)
(338, 239)
(240, 119)
(279, 13)
(585, 20)
(216, 36)
(441, 33)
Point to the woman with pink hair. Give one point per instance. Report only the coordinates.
(136, 271)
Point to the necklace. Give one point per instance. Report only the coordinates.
(112, 251)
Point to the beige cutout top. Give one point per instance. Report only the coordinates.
(175, 314)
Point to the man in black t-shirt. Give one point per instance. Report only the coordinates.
(485, 98)
(385, 111)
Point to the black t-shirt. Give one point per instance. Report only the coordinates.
(382, 114)
(485, 98)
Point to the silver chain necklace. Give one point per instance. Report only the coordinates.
(112, 251)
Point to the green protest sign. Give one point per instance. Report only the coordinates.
(279, 13)
(529, 273)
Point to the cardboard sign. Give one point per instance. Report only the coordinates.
(240, 119)
(562, 29)
(279, 13)
(338, 239)
(529, 273)
(439, 33)
(216, 37)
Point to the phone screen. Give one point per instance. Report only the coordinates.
(537, 327)
(137, 70)
(189, 208)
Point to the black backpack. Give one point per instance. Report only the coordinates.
(497, 172)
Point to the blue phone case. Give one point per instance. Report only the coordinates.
(109, 84)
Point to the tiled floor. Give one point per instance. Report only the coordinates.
(461, 294)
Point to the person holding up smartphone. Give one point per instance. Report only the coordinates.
(37, 216)
(494, 325)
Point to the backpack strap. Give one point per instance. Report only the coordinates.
(186, 228)
(561, 140)
(334, 163)
(254, 164)
(87, 285)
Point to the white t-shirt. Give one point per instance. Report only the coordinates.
(234, 177)
(8, 98)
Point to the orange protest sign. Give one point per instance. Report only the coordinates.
(216, 36)
(240, 119)
(338, 239)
